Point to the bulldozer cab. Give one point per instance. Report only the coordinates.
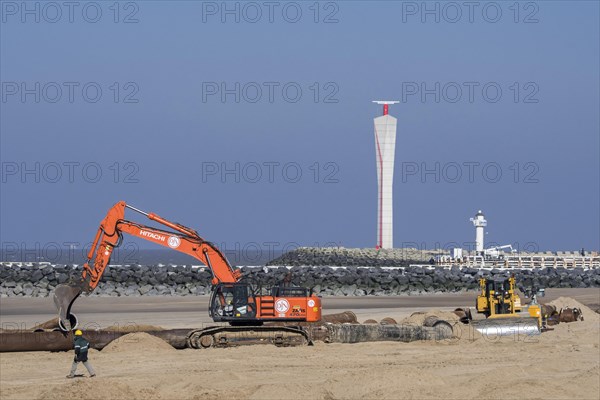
(498, 297)
(496, 286)
(499, 290)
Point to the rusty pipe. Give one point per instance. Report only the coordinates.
(463, 315)
(442, 328)
(15, 341)
(548, 309)
(570, 315)
(346, 317)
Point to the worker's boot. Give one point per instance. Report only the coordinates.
(70, 376)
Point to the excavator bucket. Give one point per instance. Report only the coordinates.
(64, 296)
(507, 326)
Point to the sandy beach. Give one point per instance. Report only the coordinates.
(563, 363)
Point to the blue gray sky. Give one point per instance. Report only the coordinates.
(252, 122)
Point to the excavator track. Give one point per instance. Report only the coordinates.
(230, 336)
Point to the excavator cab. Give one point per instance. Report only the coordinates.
(232, 302)
(239, 304)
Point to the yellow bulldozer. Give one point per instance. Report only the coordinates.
(504, 313)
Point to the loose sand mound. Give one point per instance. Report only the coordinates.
(84, 389)
(137, 342)
(133, 328)
(567, 302)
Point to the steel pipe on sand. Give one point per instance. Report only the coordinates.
(335, 328)
(15, 341)
(513, 326)
(355, 333)
(439, 324)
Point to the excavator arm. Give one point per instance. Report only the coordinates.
(110, 235)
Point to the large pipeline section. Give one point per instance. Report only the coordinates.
(334, 328)
(330, 333)
(59, 341)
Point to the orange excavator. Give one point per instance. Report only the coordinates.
(235, 301)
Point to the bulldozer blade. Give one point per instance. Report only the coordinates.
(513, 326)
(64, 296)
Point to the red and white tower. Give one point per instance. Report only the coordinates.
(385, 148)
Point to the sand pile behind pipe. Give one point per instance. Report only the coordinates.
(140, 342)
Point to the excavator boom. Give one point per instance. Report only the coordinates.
(109, 236)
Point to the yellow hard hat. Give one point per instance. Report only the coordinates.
(78, 333)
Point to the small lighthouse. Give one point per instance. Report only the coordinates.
(480, 223)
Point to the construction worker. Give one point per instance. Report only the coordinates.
(81, 346)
